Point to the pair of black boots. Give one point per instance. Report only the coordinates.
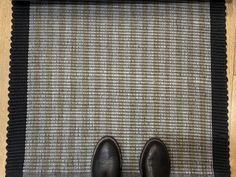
(154, 159)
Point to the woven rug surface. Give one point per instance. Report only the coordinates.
(132, 70)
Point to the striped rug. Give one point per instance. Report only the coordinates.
(132, 70)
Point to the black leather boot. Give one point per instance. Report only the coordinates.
(154, 160)
(106, 160)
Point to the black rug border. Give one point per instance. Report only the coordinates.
(219, 90)
(18, 90)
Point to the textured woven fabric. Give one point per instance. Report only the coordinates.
(128, 69)
(133, 71)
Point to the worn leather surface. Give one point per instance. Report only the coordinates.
(107, 159)
(155, 160)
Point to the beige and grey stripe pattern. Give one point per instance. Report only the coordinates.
(132, 71)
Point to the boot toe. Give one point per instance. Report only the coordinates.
(107, 158)
(154, 160)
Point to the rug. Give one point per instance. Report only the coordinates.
(133, 70)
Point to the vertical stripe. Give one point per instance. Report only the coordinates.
(91, 77)
(115, 69)
(121, 79)
(97, 72)
(197, 93)
(144, 69)
(179, 55)
(41, 88)
(132, 103)
(75, 89)
(103, 56)
(136, 26)
(72, 87)
(138, 111)
(208, 106)
(188, 83)
(31, 151)
(45, 96)
(162, 69)
(55, 20)
(79, 92)
(54, 78)
(62, 92)
(150, 71)
(174, 89)
(106, 68)
(184, 88)
(157, 59)
(85, 81)
(126, 75)
(109, 15)
(167, 80)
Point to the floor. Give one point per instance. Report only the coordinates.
(5, 29)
